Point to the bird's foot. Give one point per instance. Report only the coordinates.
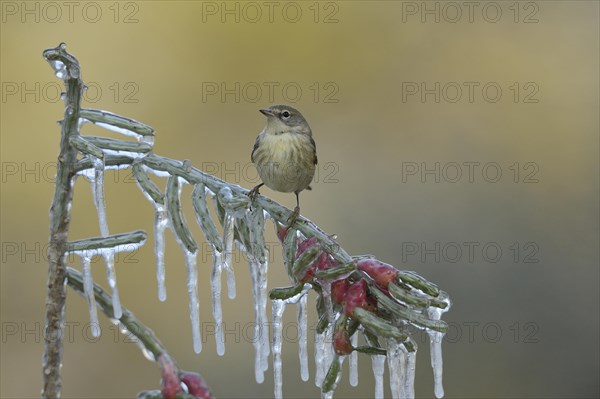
(293, 217)
(253, 193)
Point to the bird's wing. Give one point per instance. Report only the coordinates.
(256, 144)
(312, 141)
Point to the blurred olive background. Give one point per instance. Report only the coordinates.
(524, 322)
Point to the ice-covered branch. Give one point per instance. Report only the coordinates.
(356, 296)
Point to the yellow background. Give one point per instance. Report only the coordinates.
(167, 55)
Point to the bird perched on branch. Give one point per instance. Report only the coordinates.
(285, 153)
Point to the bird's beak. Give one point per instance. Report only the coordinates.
(266, 112)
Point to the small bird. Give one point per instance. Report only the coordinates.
(285, 153)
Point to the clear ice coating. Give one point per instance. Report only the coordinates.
(132, 338)
(109, 257)
(278, 309)
(60, 69)
(378, 364)
(353, 369)
(120, 130)
(326, 293)
(131, 154)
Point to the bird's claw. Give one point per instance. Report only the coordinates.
(253, 193)
(293, 217)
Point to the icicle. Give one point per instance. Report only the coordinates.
(435, 344)
(108, 255)
(303, 337)
(396, 358)
(228, 233)
(378, 364)
(278, 309)
(409, 386)
(161, 221)
(435, 349)
(393, 368)
(354, 361)
(258, 270)
(189, 247)
(215, 285)
(323, 353)
(192, 286)
(262, 285)
(258, 372)
(319, 355)
(259, 319)
(88, 289)
(109, 260)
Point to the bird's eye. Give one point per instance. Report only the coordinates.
(285, 114)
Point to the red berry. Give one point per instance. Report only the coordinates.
(170, 381)
(281, 232)
(196, 385)
(341, 342)
(338, 290)
(380, 272)
(356, 296)
(304, 245)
